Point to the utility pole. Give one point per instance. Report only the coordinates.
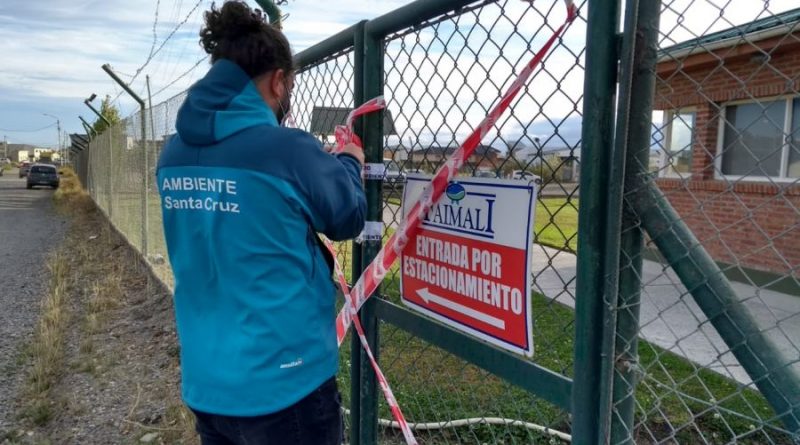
(58, 127)
(5, 147)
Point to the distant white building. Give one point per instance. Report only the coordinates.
(567, 165)
(36, 154)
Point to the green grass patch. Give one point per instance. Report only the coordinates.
(677, 399)
(556, 222)
(394, 201)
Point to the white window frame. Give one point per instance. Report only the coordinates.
(667, 170)
(787, 128)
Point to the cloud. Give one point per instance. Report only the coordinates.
(53, 50)
(442, 81)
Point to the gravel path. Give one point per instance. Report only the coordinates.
(29, 230)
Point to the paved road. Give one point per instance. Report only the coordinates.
(560, 190)
(671, 319)
(29, 230)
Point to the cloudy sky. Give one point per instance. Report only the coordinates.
(53, 49)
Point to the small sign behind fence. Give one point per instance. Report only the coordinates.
(469, 266)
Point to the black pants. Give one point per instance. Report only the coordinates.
(314, 420)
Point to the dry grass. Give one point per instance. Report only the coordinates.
(70, 194)
(95, 284)
(46, 352)
(47, 348)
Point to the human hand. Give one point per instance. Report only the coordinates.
(354, 151)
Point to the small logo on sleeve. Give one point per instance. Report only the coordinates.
(292, 364)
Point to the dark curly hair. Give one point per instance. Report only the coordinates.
(243, 36)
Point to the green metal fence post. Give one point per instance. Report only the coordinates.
(357, 267)
(352, 36)
(373, 80)
(591, 312)
(110, 173)
(89, 130)
(145, 178)
(99, 114)
(771, 372)
(639, 55)
(615, 214)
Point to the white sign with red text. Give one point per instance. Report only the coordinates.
(469, 265)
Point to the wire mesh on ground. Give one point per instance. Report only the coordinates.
(723, 151)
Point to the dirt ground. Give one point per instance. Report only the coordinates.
(29, 229)
(116, 379)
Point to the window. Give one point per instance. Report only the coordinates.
(677, 158)
(793, 169)
(760, 140)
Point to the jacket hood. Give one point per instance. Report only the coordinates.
(220, 104)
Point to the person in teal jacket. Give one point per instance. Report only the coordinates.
(243, 199)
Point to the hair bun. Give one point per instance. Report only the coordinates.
(243, 36)
(232, 21)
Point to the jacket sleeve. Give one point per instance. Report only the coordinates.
(333, 190)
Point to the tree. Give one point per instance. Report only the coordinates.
(110, 112)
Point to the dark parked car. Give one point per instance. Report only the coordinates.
(23, 169)
(43, 174)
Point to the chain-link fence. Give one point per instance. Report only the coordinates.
(442, 76)
(160, 127)
(121, 180)
(673, 320)
(718, 331)
(322, 98)
(115, 177)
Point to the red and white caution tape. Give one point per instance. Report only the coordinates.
(344, 133)
(387, 391)
(376, 271)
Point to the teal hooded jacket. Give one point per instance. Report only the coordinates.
(242, 200)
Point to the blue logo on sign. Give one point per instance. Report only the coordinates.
(455, 192)
(473, 216)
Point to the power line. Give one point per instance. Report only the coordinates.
(172, 65)
(173, 18)
(28, 131)
(153, 53)
(163, 43)
(155, 25)
(186, 73)
(123, 74)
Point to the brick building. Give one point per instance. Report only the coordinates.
(731, 141)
